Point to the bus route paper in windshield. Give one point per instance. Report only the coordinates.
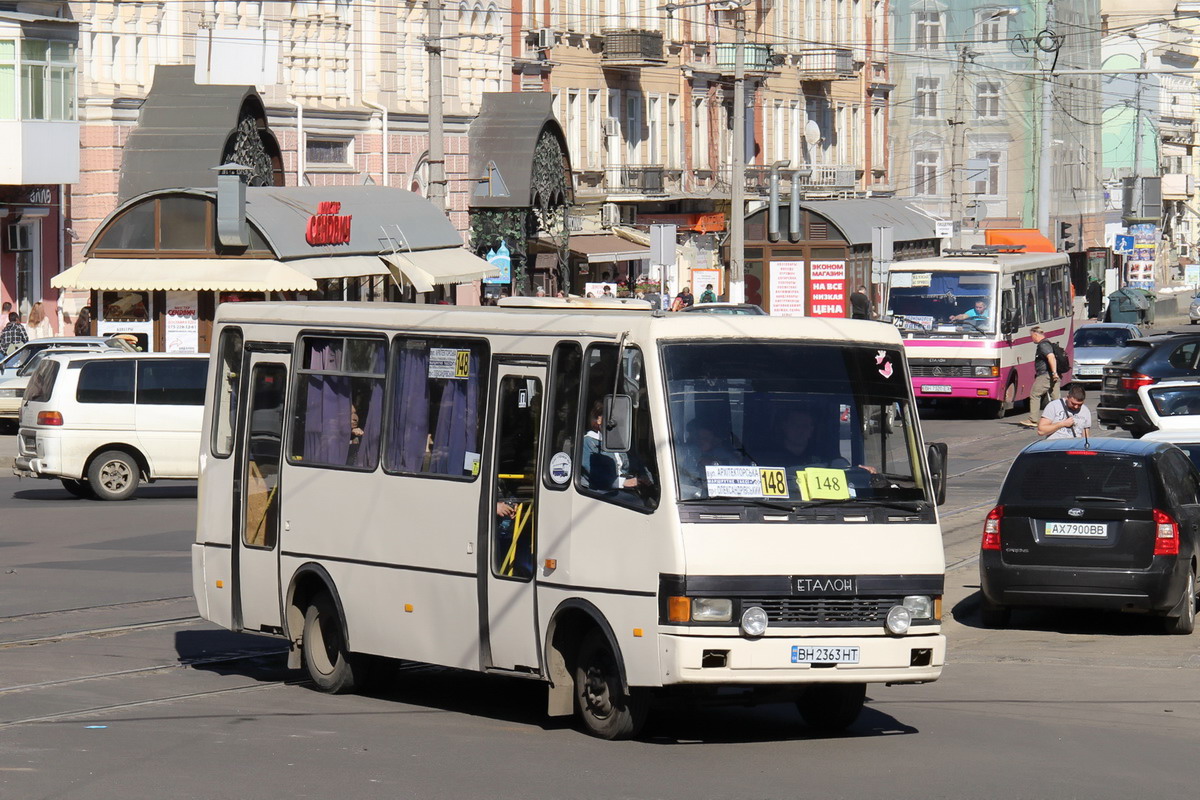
(745, 481)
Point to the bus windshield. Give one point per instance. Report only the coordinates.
(792, 422)
(944, 302)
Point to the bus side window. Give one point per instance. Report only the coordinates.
(563, 409)
(339, 402)
(435, 424)
(628, 479)
(225, 408)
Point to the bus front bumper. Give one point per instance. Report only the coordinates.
(914, 658)
(931, 388)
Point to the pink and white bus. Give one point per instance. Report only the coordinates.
(966, 322)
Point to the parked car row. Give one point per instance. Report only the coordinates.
(104, 421)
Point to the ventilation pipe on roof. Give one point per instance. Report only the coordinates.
(794, 209)
(232, 228)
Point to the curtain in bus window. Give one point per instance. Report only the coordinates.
(457, 424)
(410, 408)
(327, 406)
(369, 406)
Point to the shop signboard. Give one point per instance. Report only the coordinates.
(827, 281)
(182, 322)
(701, 278)
(787, 288)
(501, 259)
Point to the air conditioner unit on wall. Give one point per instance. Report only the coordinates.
(610, 215)
(545, 38)
(18, 238)
(612, 126)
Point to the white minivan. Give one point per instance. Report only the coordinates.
(102, 423)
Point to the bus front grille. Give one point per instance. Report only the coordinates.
(831, 611)
(940, 370)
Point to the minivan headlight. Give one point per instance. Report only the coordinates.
(712, 609)
(920, 606)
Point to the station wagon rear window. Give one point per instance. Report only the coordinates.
(1058, 478)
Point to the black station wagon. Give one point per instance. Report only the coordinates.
(1110, 524)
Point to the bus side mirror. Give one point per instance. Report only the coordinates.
(939, 462)
(618, 423)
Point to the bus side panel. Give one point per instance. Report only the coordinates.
(606, 546)
(387, 541)
(210, 567)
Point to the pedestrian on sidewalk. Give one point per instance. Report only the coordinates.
(1095, 300)
(1067, 417)
(1045, 380)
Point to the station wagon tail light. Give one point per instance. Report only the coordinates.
(49, 418)
(1166, 534)
(1136, 381)
(991, 529)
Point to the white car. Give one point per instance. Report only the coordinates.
(1174, 407)
(14, 381)
(14, 360)
(103, 423)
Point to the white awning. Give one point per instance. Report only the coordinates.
(425, 269)
(339, 266)
(186, 274)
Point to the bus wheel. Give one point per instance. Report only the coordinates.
(325, 656)
(78, 488)
(607, 708)
(999, 409)
(831, 708)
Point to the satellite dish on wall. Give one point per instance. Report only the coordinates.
(812, 132)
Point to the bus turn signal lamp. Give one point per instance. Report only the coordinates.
(1166, 534)
(49, 418)
(679, 609)
(991, 529)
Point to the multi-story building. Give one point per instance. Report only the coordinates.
(1150, 127)
(644, 92)
(973, 82)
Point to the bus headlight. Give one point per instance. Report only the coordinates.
(754, 621)
(987, 372)
(919, 606)
(898, 620)
(711, 609)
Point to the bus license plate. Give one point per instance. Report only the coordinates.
(936, 388)
(824, 655)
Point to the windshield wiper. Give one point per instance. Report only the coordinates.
(1080, 498)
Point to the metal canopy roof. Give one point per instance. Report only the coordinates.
(856, 218)
(502, 140)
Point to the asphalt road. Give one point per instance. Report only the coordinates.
(110, 687)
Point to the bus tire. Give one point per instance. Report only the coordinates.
(606, 707)
(78, 488)
(832, 707)
(326, 658)
(114, 475)
(999, 408)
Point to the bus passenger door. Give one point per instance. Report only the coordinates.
(512, 520)
(260, 447)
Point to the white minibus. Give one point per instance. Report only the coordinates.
(619, 502)
(966, 320)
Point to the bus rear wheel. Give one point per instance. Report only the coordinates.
(831, 708)
(326, 659)
(606, 706)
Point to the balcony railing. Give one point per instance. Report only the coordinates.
(632, 48)
(813, 178)
(756, 59)
(825, 63)
(638, 180)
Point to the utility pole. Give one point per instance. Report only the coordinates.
(1046, 154)
(437, 132)
(957, 134)
(737, 198)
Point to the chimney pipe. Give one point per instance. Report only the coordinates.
(232, 228)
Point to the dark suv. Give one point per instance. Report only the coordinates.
(1163, 356)
(1110, 524)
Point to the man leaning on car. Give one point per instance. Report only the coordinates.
(1066, 418)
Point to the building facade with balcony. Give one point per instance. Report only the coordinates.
(39, 133)
(645, 99)
(967, 116)
(1150, 136)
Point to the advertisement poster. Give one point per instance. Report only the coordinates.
(702, 278)
(599, 290)
(182, 322)
(1140, 263)
(501, 259)
(142, 332)
(787, 288)
(827, 287)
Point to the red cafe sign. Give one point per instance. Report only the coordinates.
(327, 227)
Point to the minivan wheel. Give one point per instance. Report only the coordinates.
(1185, 623)
(79, 488)
(114, 475)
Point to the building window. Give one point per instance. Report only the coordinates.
(990, 28)
(987, 100)
(988, 181)
(925, 172)
(47, 79)
(928, 29)
(927, 97)
(327, 152)
(595, 141)
(700, 134)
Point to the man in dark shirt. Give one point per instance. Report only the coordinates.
(860, 304)
(13, 333)
(1045, 381)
